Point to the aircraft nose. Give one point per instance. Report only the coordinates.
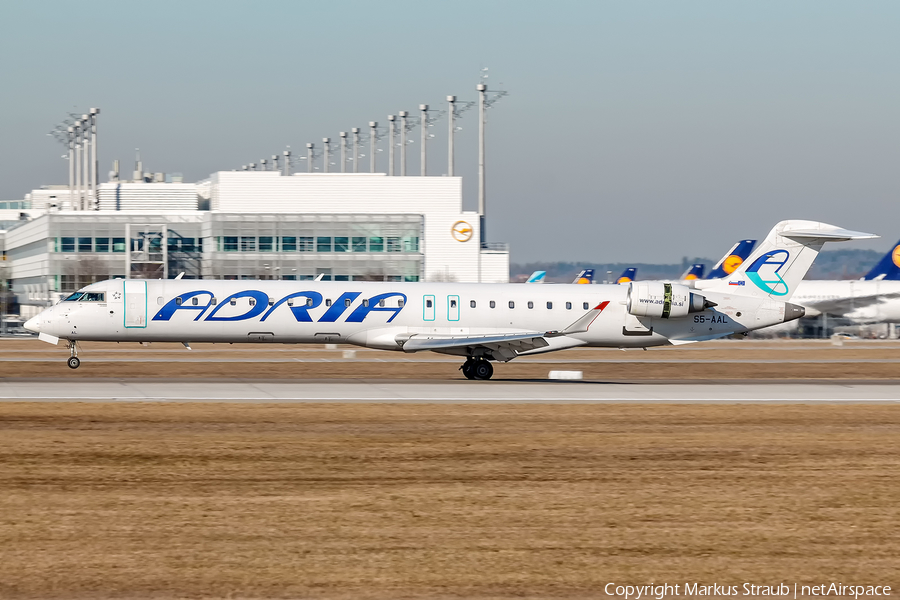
(33, 324)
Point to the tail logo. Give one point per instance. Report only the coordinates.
(895, 256)
(765, 272)
(731, 263)
(622, 279)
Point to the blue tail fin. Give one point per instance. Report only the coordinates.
(628, 275)
(586, 276)
(732, 259)
(537, 277)
(694, 273)
(888, 267)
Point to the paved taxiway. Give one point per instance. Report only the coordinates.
(445, 392)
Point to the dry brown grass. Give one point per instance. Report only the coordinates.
(399, 501)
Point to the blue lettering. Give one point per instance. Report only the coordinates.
(362, 312)
(262, 301)
(301, 311)
(340, 305)
(166, 312)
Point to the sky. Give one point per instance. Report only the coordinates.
(632, 131)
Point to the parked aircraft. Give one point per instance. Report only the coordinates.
(537, 277)
(888, 268)
(694, 272)
(586, 276)
(628, 275)
(480, 322)
(732, 259)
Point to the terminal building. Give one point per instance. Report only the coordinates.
(246, 225)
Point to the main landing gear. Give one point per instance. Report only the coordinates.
(73, 361)
(477, 368)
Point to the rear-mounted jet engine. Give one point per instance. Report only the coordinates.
(664, 300)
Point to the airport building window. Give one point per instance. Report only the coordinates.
(288, 244)
(323, 244)
(410, 278)
(340, 244)
(359, 244)
(230, 243)
(119, 244)
(393, 244)
(411, 244)
(342, 278)
(101, 244)
(266, 243)
(85, 244)
(68, 244)
(376, 244)
(305, 244)
(248, 244)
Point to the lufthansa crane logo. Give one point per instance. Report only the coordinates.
(731, 263)
(895, 256)
(462, 231)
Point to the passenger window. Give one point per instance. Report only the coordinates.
(290, 302)
(530, 304)
(512, 304)
(493, 304)
(381, 302)
(195, 301)
(453, 304)
(213, 301)
(178, 301)
(160, 300)
(586, 306)
(550, 305)
(428, 304)
(328, 302)
(347, 302)
(271, 301)
(472, 303)
(400, 303)
(233, 302)
(568, 306)
(365, 303)
(309, 301)
(252, 301)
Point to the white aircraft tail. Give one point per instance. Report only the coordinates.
(782, 259)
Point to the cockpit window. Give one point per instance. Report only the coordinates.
(86, 297)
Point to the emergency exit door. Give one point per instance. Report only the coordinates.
(135, 303)
(428, 308)
(453, 308)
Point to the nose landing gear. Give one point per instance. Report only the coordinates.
(477, 368)
(73, 361)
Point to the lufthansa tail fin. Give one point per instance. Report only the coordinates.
(537, 277)
(586, 276)
(694, 273)
(732, 259)
(628, 275)
(782, 259)
(888, 267)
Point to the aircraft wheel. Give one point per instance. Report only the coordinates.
(483, 369)
(73, 362)
(468, 369)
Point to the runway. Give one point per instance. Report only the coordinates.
(454, 392)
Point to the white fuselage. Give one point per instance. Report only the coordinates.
(380, 315)
(878, 301)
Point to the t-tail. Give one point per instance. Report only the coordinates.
(628, 275)
(732, 259)
(537, 277)
(888, 267)
(694, 273)
(586, 276)
(781, 260)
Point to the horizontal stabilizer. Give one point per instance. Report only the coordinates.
(827, 232)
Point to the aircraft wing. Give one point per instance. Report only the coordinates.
(840, 306)
(501, 347)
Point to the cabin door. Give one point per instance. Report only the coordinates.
(135, 303)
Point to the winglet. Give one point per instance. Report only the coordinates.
(582, 324)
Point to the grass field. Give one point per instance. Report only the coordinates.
(424, 501)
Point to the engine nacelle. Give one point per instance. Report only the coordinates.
(664, 300)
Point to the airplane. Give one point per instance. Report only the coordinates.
(537, 277)
(479, 322)
(694, 272)
(888, 268)
(627, 275)
(732, 259)
(584, 277)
